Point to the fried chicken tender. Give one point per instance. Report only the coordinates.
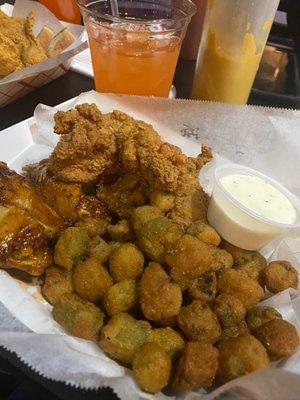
(170, 340)
(159, 298)
(151, 367)
(93, 144)
(196, 367)
(279, 276)
(240, 356)
(9, 56)
(87, 146)
(19, 47)
(238, 284)
(78, 317)
(199, 323)
(122, 336)
(188, 259)
(279, 337)
(260, 315)
(91, 280)
(58, 282)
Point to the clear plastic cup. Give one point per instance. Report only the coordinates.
(234, 37)
(136, 52)
(240, 225)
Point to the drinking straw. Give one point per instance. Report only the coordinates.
(114, 8)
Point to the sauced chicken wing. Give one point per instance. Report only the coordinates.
(22, 242)
(15, 191)
(26, 223)
(67, 199)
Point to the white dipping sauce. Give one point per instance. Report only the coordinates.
(260, 197)
(249, 209)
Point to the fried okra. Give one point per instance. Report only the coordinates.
(91, 280)
(199, 323)
(163, 200)
(99, 249)
(240, 256)
(58, 282)
(78, 317)
(238, 284)
(94, 227)
(196, 367)
(122, 336)
(255, 268)
(258, 316)
(204, 232)
(279, 337)
(189, 258)
(171, 341)
(251, 262)
(204, 288)
(229, 310)
(234, 331)
(126, 262)
(71, 247)
(157, 235)
(121, 232)
(121, 297)
(279, 276)
(151, 367)
(222, 260)
(141, 215)
(159, 297)
(240, 356)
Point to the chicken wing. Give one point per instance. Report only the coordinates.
(15, 191)
(27, 223)
(67, 199)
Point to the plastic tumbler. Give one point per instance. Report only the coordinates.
(136, 52)
(65, 10)
(233, 40)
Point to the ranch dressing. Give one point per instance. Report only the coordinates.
(260, 197)
(249, 209)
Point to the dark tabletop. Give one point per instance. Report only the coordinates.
(18, 382)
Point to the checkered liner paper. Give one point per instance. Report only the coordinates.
(12, 91)
(20, 83)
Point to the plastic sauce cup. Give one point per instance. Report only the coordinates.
(240, 225)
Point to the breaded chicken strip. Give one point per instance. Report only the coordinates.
(93, 145)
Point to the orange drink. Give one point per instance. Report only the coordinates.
(136, 52)
(65, 10)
